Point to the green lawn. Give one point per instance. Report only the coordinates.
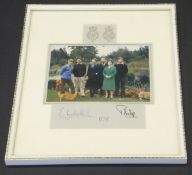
(138, 65)
(53, 97)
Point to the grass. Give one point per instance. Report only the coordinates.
(53, 97)
(138, 65)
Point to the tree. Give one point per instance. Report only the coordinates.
(59, 56)
(86, 53)
(142, 52)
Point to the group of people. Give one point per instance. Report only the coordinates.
(105, 78)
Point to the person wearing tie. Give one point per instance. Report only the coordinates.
(120, 78)
(93, 77)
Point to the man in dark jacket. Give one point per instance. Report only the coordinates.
(120, 78)
(93, 77)
(79, 72)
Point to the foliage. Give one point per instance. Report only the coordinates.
(59, 56)
(128, 55)
(86, 53)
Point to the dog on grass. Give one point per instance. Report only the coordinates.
(138, 93)
(65, 95)
(144, 95)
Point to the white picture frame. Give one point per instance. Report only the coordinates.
(161, 140)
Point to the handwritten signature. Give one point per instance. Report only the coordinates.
(68, 114)
(72, 113)
(126, 111)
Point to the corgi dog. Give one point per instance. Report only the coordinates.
(69, 96)
(58, 87)
(144, 95)
(65, 95)
(129, 93)
(138, 93)
(132, 92)
(58, 84)
(141, 94)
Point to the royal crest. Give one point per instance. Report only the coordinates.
(92, 34)
(109, 34)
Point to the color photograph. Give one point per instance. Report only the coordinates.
(97, 73)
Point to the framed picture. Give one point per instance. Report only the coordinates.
(98, 84)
